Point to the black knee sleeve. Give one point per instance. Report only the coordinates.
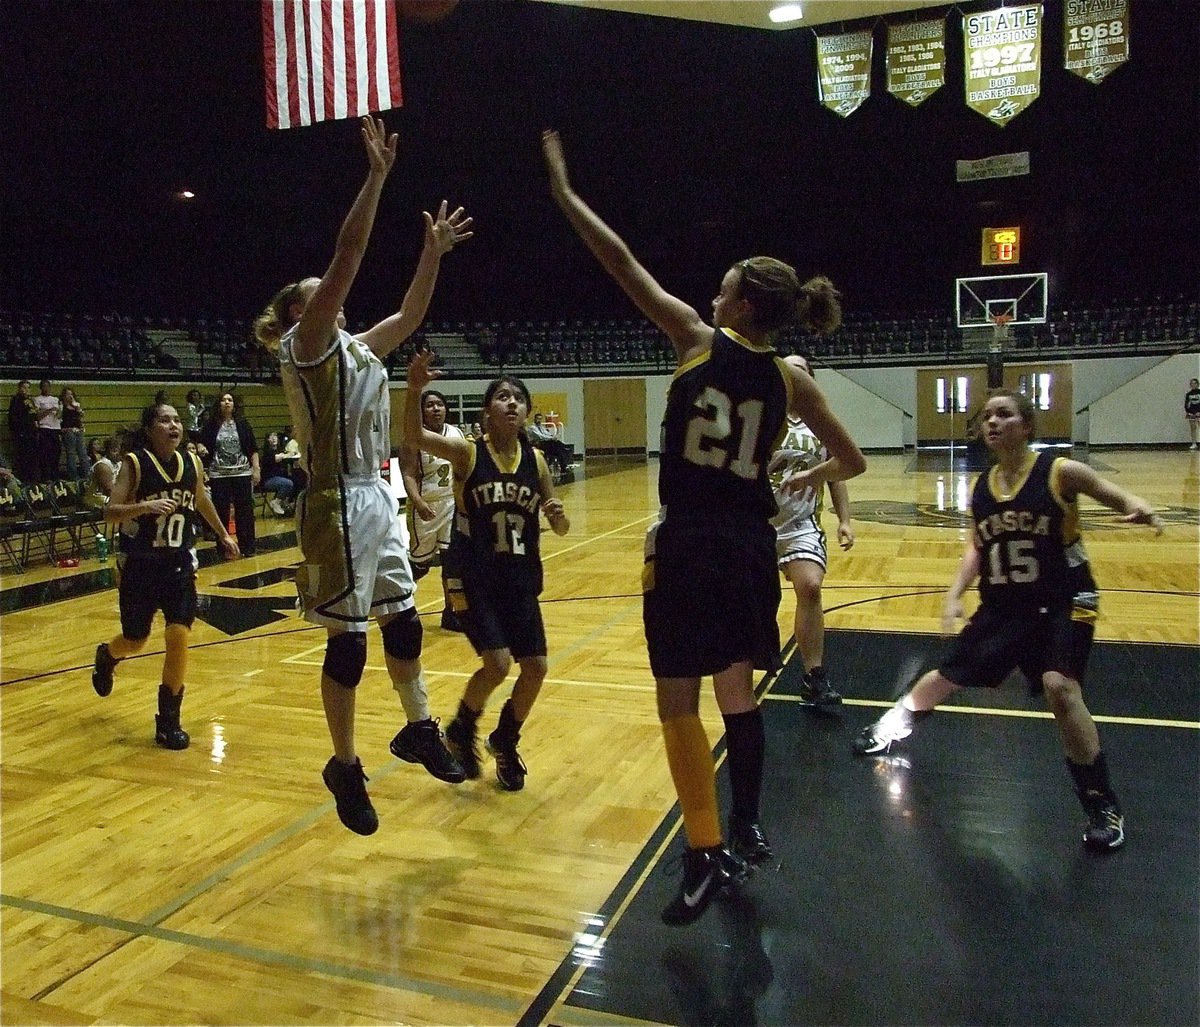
(402, 636)
(345, 658)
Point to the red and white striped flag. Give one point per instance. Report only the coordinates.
(326, 59)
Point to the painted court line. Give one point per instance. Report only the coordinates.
(1099, 718)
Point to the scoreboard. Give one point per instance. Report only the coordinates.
(1001, 246)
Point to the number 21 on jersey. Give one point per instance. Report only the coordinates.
(712, 434)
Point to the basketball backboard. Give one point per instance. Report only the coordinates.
(979, 301)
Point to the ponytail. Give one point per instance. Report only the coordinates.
(773, 290)
(818, 306)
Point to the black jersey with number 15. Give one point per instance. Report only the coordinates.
(1031, 550)
(726, 412)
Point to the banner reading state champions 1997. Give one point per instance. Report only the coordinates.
(1002, 52)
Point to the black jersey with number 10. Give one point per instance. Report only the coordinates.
(177, 480)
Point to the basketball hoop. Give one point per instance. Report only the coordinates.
(1000, 328)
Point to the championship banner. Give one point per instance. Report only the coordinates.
(1095, 37)
(1002, 53)
(844, 71)
(916, 60)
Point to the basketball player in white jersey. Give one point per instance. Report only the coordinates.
(355, 565)
(800, 546)
(429, 483)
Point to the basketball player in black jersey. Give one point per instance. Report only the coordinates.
(157, 495)
(1038, 602)
(711, 587)
(493, 568)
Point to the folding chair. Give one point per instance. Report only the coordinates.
(81, 518)
(14, 525)
(45, 519)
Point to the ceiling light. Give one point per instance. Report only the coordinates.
(785, 12)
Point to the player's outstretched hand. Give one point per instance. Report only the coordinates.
(381, 148)
(447, 231)
(421, 370)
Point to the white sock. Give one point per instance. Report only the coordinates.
(414, 698)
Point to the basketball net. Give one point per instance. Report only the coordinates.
(1000, 330)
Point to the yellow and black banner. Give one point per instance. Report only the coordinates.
(1095, 37)
(916, 60)
(844, 71)
(1002, 52)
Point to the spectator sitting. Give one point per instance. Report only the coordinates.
(545, 437)
(105, 466)
(275, 476)
(8, 481)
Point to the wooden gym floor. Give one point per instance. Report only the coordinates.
(944, 884)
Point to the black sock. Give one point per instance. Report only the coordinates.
(467, 715)
(509, 726)
(1091, 779)
(746, 743)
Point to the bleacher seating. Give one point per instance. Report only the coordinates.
(103, 346)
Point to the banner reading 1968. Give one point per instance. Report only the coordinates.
(1095, 37)
(916, 60)
(844, 71)
(1003, 55)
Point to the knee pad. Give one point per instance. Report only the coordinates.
(402, 636)
(345, 658)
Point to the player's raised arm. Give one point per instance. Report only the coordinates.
(682, 324)
(319, 321)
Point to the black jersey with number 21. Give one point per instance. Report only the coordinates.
(725, 416)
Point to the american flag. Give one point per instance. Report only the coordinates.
(326, 59)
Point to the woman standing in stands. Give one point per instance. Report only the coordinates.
(1038, 604)
(494, 565)
(78, 464)
(23, 427)
(159, 491)
(355, 564)
(49, 435)
(233, 468)
(197, 415)
(710, 581)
